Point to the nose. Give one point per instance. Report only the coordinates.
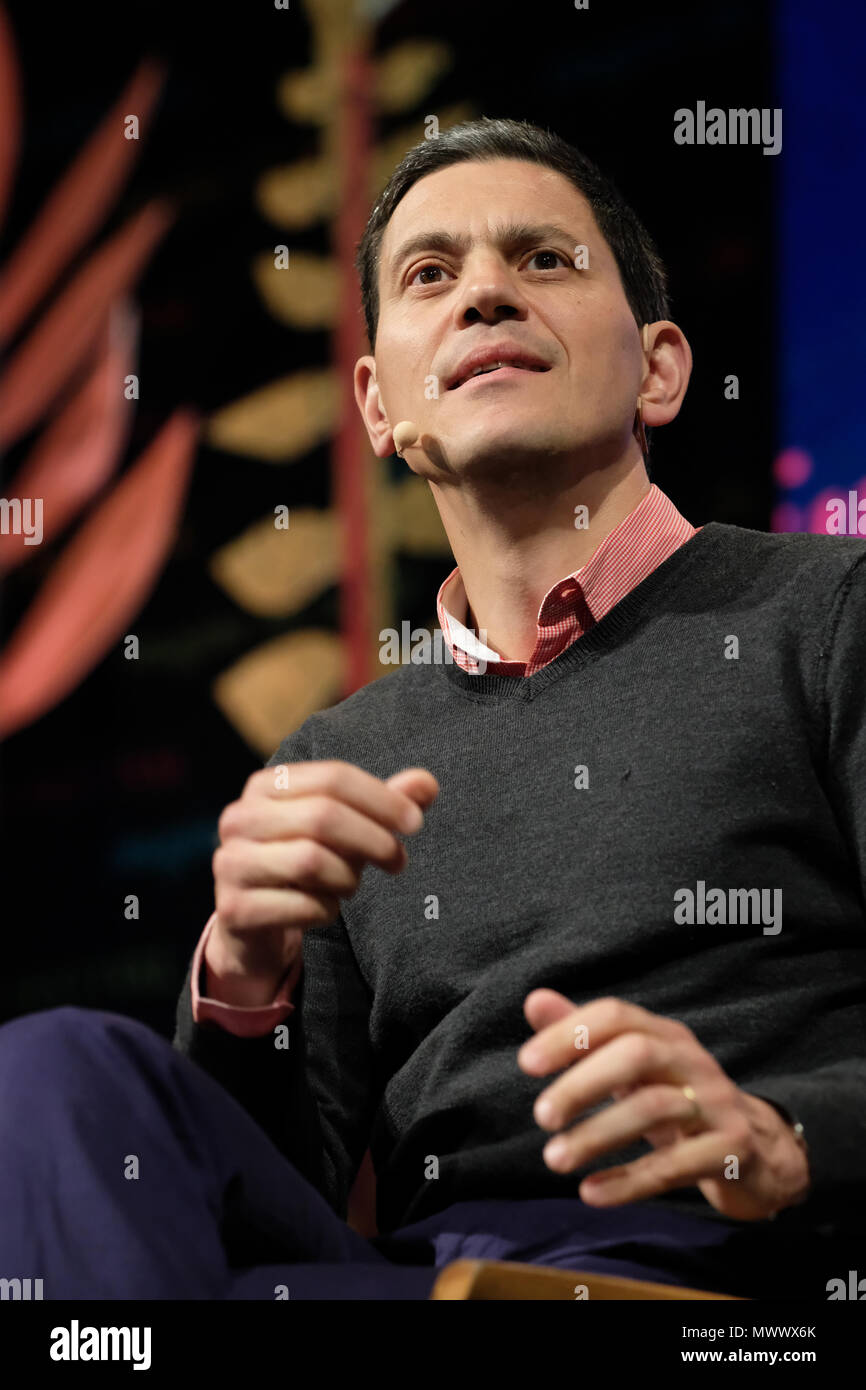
(489, 293)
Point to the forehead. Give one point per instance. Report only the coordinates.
(475, 196)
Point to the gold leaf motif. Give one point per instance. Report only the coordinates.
(304, 294)
(403, 76)
(281, 421)
(273, 572)
(408, 72)
(295, 195)
(309, 96)
(272, 690)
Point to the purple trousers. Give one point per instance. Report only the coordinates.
(127, 1172)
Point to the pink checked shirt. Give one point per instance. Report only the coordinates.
(642, 542)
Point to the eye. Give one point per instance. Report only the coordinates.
(556, 255)
(425, 270)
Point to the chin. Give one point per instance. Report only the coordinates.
(498, 440)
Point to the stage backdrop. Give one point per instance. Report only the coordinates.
(181, 192)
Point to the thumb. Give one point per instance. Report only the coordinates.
(416, 783)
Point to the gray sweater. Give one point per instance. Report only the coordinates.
(593, 826)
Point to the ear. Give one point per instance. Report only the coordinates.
(668, 367)
(372, 407)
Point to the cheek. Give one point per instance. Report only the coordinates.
(402, 364)
(598, 337)
(614, 360)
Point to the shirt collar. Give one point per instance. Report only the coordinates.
(650, 533)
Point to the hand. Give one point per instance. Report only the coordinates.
(644, 1060)
(293, 845)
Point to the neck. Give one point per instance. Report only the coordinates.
(513, 544)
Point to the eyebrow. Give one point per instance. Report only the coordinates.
(509, 237)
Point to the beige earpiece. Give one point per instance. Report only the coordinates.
(406, 433)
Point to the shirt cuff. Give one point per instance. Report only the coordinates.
(242, 1022)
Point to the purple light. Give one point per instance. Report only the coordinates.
(792, 467)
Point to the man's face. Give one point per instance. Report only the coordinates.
(481, 256)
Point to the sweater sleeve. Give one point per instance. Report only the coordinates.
(308, 1082)
(830, 1101)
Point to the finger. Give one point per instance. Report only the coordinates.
(333, 823)
(543, 1007)
(389, 806)
(299, 863)
(625, 1061)
(250, 909)
(617, 1126)
(681, 1165)
(417, 783)
(589, 1026)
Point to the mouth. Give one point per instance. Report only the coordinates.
(497, 371)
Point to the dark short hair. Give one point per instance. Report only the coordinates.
(641, 269)
(640, 266)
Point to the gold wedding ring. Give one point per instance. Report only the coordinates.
(697, 1114)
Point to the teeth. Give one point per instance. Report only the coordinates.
(491, 367)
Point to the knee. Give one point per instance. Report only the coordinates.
(52, 1036)
(46, 1025)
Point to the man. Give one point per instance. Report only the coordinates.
(632, 910)
(657, 710)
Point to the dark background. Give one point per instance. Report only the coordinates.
(118, 789)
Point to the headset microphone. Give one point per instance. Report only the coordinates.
(406, 433)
